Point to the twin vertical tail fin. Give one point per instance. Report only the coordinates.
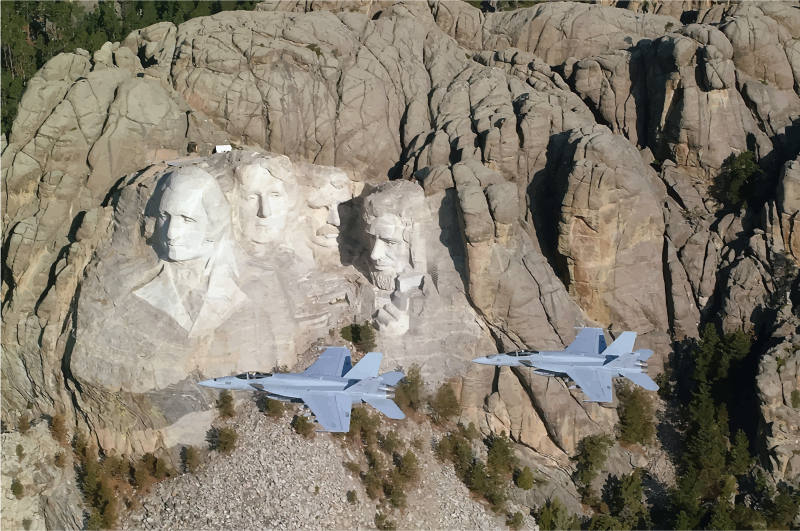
(368, 367)
(622, 345)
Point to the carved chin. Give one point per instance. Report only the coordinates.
(263, 234)
(383, 279)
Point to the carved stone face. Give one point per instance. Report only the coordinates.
(183, 224)
(263, 205)
(325, 201)
(390, 253)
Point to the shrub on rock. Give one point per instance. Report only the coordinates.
(352, 497)
(61, 460)
(58, 429)
(445, 403)
(24, 424)
(227, 438)
(353, 467)
(383, 523)
(225, 405)
(274, 408)
(191, 459)
(303, 426)
(525, 479)
(515, 521)
(391, 442)
(16, 489)
(408, 392)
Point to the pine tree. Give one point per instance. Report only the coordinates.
(739, 459)
(408, 392)
(501, 456)
(721, 517)
(626, 503)
(555, 516)
(525, 479)
(637, 423)
(445, 403)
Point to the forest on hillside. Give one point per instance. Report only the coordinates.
(36, 31)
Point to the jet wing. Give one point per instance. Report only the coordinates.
(595, 384)
(589, 341)
(335, 361)
(331, 409)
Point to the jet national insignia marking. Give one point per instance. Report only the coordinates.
(587, 361)
(329, 387)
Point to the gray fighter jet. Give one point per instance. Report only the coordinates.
(587, 361)
(329, 387)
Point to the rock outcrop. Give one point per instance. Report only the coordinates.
(779, 396)
(528, 140)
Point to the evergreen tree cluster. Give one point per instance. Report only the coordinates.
(719, 489)
(592, 453)
(362, 336)
(487, 479)
(637, 423)
(106, 481)
(36, 31)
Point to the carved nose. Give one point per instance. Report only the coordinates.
(377, 250)
(264, 209)
(333, 215)
(171, 230)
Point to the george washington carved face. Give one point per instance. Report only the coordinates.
(191, 215)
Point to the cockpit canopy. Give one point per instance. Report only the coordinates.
(521, 353)
(252, 375)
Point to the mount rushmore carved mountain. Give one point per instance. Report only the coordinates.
(467, 180)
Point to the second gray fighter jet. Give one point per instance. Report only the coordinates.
(329, 387)
(587, 361)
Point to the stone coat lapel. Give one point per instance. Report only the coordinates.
(222, 299)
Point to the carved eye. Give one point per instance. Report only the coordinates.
(187, 219)
(253, 198)
(275, 195)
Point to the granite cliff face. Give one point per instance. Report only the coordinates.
(527, 139)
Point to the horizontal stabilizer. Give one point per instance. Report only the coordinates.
(387, 407)
(625, 361)
(644, 354)
(622, 345)
(642, 380)
(368, 367)
(391, 378)
(367, 385)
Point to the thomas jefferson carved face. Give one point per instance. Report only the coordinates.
(265, 198)
(192, 215)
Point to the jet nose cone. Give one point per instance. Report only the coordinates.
(483, 361)
(208, 383)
